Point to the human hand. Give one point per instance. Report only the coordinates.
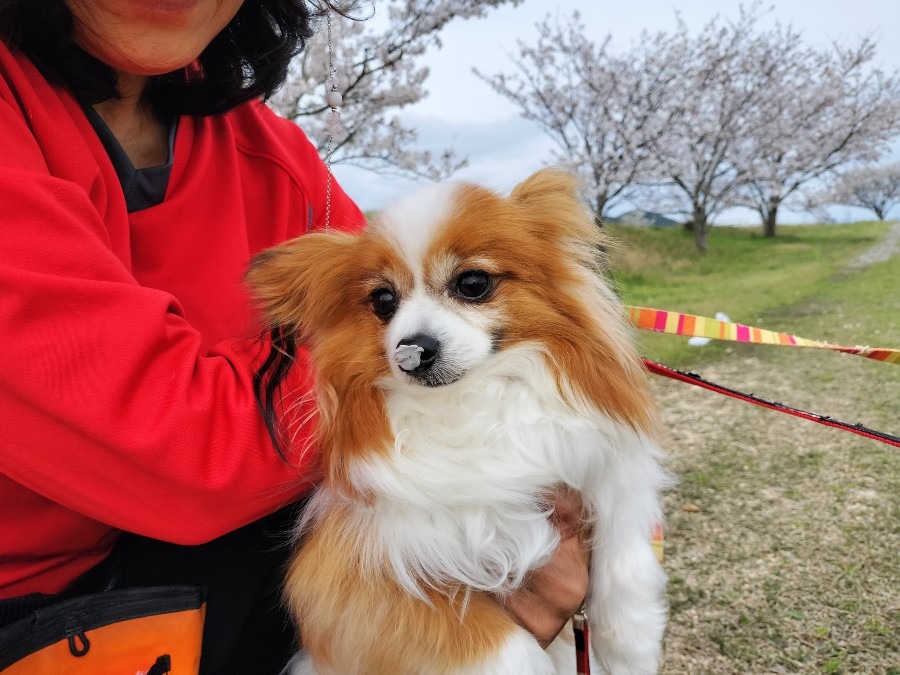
(553, 593)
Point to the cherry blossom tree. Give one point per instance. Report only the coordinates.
(667, 120)
(826, 109)
(727, 70)
(604, 112)
(876, 188)
(377, 73)
(737, 115)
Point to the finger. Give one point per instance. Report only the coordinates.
(529, 612)
(552, 593)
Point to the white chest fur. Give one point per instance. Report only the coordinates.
(458, 498)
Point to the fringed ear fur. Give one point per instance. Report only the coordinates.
(299, 282)
(551, 199)
(556, 214)
(295, 285)
(546, 183)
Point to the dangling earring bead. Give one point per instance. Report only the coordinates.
(333, 98)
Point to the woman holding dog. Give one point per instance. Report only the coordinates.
(139, 173)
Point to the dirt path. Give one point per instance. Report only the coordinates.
(886, 249)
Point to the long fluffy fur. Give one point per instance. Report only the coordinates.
(435, 496)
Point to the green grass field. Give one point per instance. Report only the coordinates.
(783, 549)
(755, 280)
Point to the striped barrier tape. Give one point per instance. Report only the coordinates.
(690, 325)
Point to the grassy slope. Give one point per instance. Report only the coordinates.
(752, 279)
(791, 563)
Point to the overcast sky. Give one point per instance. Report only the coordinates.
(503, 149)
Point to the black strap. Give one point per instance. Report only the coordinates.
(94, 580)
(70, 620)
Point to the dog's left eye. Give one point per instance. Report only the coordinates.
(384, 302)
(474, 285)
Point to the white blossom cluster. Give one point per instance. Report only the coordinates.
(377, 74)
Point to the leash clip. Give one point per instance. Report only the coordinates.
(582, 640)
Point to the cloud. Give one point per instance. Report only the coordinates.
(501, 154)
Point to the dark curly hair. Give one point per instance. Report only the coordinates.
(247, 60)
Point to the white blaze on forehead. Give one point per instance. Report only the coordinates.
(415, 220)
(413, 223)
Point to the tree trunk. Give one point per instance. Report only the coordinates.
(701, 229)
(769, 219)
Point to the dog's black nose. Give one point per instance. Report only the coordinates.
(426, 347)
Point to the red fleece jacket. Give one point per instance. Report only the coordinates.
(127, 340)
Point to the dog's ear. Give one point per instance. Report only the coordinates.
(544, 185)
(550, 199)
(300, 282)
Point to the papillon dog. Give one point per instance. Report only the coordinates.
(469, 359)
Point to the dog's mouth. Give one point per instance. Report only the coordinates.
(437, 375)
(436, 378)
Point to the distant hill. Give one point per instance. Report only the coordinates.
(638, 218)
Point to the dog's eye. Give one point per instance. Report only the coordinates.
(474, 285)
(384, 302)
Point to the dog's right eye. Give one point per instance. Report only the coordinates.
(384, 302)
(474, 286)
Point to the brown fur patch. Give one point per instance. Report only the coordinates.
(319, 285)
(354, 618)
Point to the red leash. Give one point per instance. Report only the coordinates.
(697, 380)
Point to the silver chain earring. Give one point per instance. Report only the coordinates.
(333, 100)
